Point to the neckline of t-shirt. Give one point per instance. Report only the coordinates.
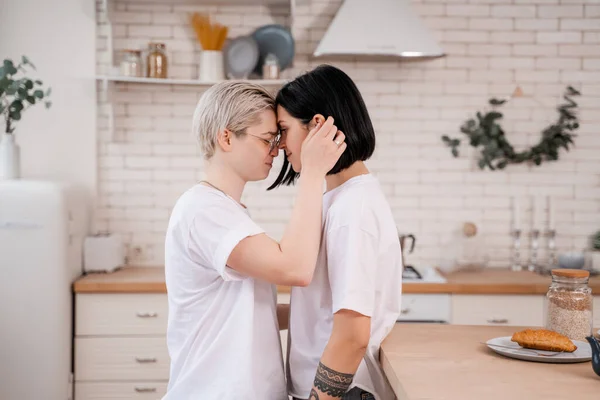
(223, 194)
(358, 178)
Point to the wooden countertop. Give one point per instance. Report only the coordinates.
(124, 280)
(448, 362)
(489, 281)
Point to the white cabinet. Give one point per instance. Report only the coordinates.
(120, 346)
(517, 310)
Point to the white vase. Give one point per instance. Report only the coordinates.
(211, 66)
(9, 157)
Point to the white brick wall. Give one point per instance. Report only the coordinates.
(492, 45)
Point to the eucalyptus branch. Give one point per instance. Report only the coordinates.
(496, 152)
(18, 94)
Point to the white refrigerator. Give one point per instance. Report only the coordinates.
(42, 228)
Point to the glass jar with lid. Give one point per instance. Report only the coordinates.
(569, 304)
(131, 64)
(157, 60)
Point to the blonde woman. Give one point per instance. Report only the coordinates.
(220, 266)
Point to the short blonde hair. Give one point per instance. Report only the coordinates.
(233, 105)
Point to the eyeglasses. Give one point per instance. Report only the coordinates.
(273, 143)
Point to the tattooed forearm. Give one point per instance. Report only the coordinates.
(330, 382)
(313, 395)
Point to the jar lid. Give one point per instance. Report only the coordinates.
(132, 51)
(156, 44)
(571, 273)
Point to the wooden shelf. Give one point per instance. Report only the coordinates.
(187, 82)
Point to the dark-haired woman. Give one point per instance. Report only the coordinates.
(339, 320)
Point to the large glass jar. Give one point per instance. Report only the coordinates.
(569, 304)
(157, 60)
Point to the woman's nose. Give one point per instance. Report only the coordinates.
(282, 141)
(275, 151)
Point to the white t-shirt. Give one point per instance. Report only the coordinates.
(359, 268)
(223, 336)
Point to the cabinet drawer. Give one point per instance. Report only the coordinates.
(526, 310)
(121, 314)
(121, 359)
(425, 308)
(120, 391)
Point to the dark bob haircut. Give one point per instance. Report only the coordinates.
(327, 90)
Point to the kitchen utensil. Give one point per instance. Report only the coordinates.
(504, 346)
(241, 56)
(210, 36)
(103, 253)
(274, 39)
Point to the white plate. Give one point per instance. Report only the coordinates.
(582, 354)
(241, 56)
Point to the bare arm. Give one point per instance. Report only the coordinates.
(342, 355)
(292, 261)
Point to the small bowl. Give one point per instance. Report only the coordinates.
(571, 260)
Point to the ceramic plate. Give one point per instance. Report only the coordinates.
(241, 56)
(277, 40)
(582, 354)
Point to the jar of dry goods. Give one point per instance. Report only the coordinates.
(569, 304)
(157, 60)
(131, 64)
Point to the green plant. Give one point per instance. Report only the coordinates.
(18, 94)
(496, 152)
(596, 241)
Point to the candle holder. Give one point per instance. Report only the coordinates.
(516, 250)
(552, 260)
(533, 257)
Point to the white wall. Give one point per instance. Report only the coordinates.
(492, 45)
(58, 36)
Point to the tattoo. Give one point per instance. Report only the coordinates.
(313, 395)
(332, 383)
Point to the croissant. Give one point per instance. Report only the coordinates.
(543, 339)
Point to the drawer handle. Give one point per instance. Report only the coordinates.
(498, 321)
(145, 390)
(405, 311)
(145, 360)
(147, 314)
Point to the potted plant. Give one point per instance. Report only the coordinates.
(17, 94)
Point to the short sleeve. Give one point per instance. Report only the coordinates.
(351, 264)
(214, 233)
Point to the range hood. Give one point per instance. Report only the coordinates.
(378, 27)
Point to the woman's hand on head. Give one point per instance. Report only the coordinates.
(322, 148)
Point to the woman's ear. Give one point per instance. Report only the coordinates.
(224, 140)
(315, 120)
